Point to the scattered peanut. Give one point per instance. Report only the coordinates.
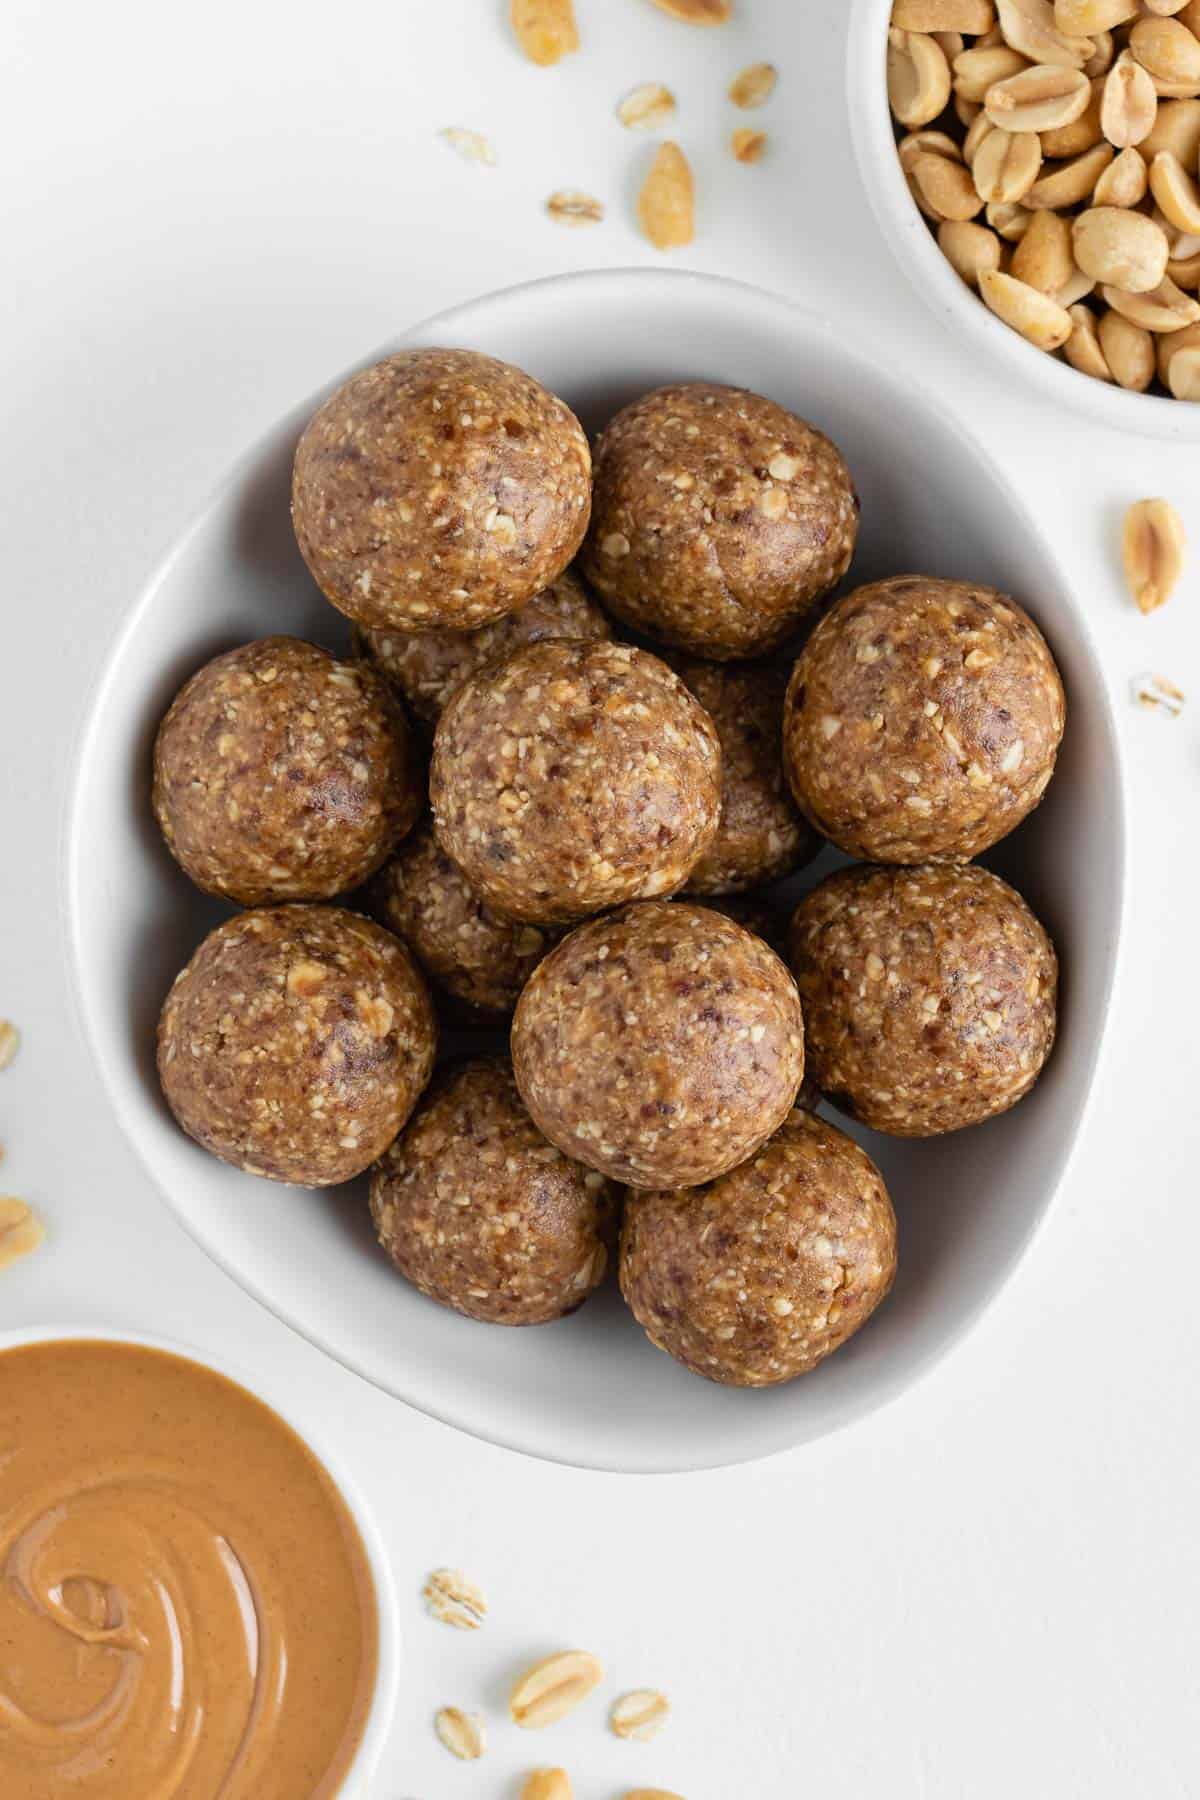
(10, 1042)
(548, 1784)
(754, 86)
(697, 12)
(666, 204)
(1152, 547)
(21, 1230)
(545, 29)
(552, 1688)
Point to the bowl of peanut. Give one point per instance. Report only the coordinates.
(1033, 165)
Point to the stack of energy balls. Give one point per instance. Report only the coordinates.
(550, 822)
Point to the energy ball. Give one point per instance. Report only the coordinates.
(762, 834)
(427, 666)
(574, 777)
(467, 950)
(482, 1214)
(283, 774)
(718, 519)
(296, 1043)
(439, 488)
(929, 995)
(661, 1044)
(922, 720)
(758, 1276)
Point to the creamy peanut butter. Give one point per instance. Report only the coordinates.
(186, 1608)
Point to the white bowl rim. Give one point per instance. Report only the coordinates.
(357, 1779)
(453, 320)
(914, 248)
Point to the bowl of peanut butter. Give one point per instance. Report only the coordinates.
(193, 1603)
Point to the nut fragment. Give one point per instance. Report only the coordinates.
(463, 1733)
(1157, 694)
(1082, 349)
(472, 146)
(1038, 318)
(1125, 249)
(698, 12)
(454, 1600)
(547, 1784)
(754, 86)
(545, 29)
(571, 206)
(1124, 182)
(1164, 308)
(748, 146)
(1042, 98)
(667, 202)
(646, 107)
(1006, 165)
(1152, 547)
(918, 77)
(552, 1688)
(1128, 350)
(640, 1715)
(1130, 104)
(969, 248)
(975, 17)
(1029, 27)
(21, 1231)
(10, 1042)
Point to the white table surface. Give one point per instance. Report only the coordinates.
(987, 1591)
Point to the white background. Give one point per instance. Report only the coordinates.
(989, 1590)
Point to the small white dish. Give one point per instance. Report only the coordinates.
(356, 1784)
(957, 307)
(590, 1390)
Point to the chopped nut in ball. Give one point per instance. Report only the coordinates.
(922, 720)
(719, 519)
(471, 953)
(296, 1042)
(481, 1213)
(929, 995)
(439, 487)
(661, 1044)
(427, 666)
(762, 835)
(756, 1277)
(283, 774)
(574, 777)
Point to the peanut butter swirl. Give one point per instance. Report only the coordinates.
(186, 1608)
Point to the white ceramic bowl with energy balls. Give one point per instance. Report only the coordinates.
(591, 1390)
(957, 307)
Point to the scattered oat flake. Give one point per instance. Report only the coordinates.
(545, 29)
(754, 86)
(667, 202)
(21, 1231)
(472, 146)
(748, 146)
(455, 1600)
(462, 1733)
(646, 107)
(697, 12)
(1157, 694)
(639, 1715)
(571, 206)
(10, 1042)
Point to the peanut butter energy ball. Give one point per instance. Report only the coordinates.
(574, 777)
(296, 1042)
(756, 1277)
(482, 1214)
(718, 519)
(922, 720)
(762, 834)
(470, 952)
(283, 774)
(427, 666)
(661, 1044)
(439, 487)
(929, 995)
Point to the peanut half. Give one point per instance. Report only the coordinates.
(1152, 549)
(1038, 318)
(548, 1784)
(667, 202)
(552, 1688)
(545, 29)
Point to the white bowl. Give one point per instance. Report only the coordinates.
(590, 1390)
(957, 307)
(356, 1784)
